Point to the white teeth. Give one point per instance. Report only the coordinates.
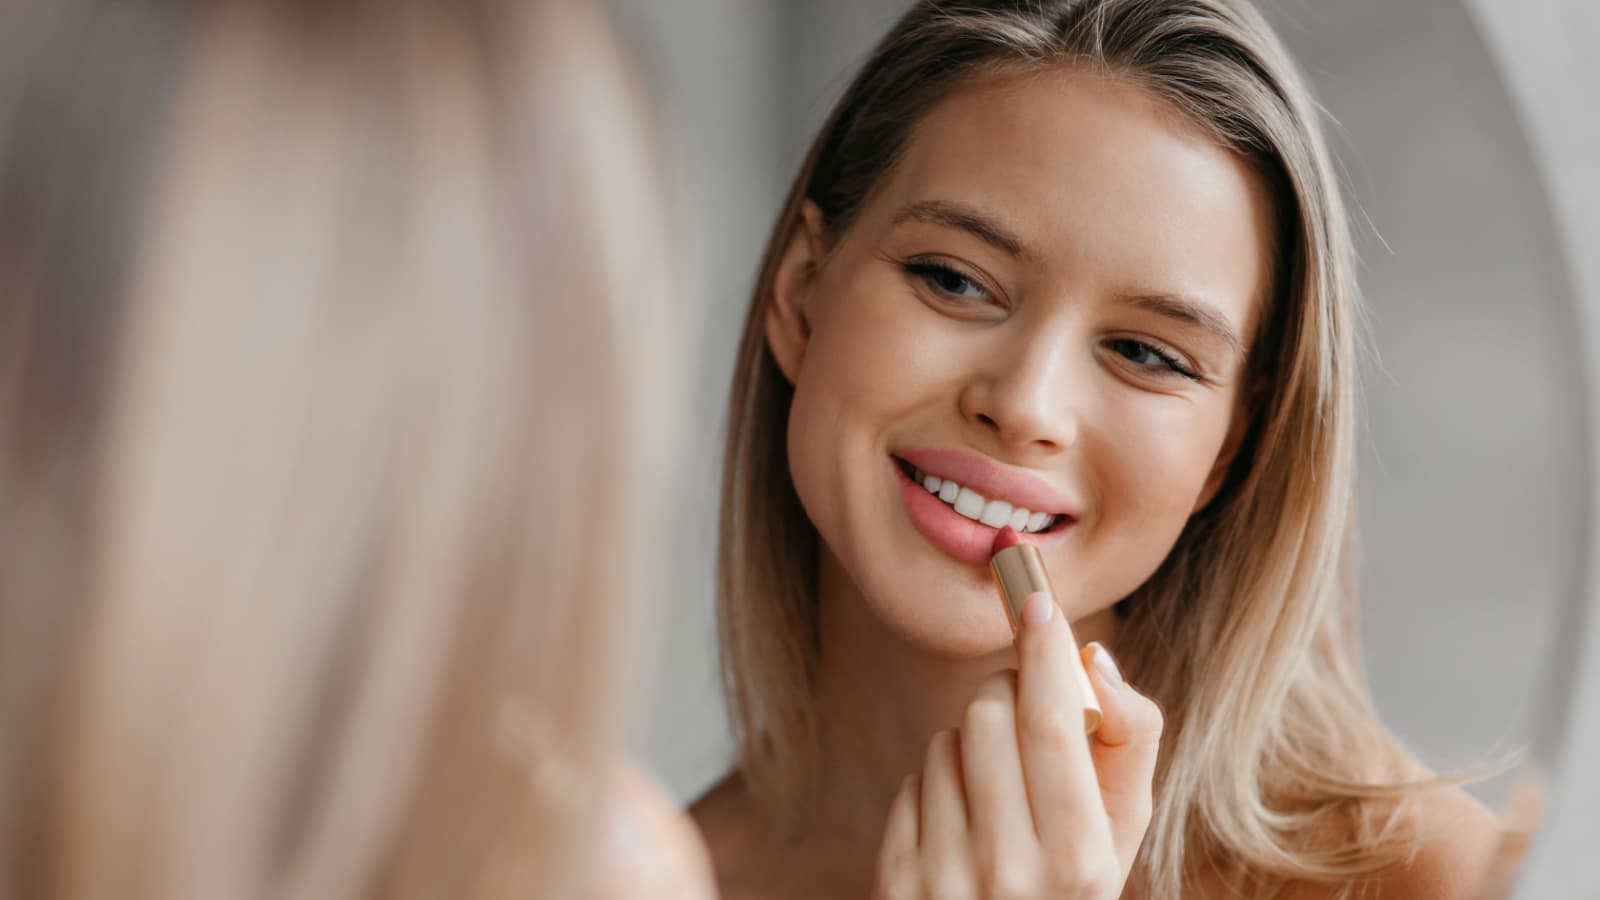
(973, 505)
(996, 513)
(969, 503)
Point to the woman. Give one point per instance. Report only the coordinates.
(1079, 267)
(302, 588)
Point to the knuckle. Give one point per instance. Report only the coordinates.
(900, 864)
(949, 881)
(1050, 728)
(1155, 720)
(1101, 882)
(898, 876)
(987, 714)
(1001, 685)
(1013, 882)
(1077, 876)
(900, 886)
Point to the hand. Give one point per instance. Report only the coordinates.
(1018, 804)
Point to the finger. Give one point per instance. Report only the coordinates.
(944, 808)
(1124, 750)
(897, 875)
(1000, 822)
(943, 829)
(1057, 769)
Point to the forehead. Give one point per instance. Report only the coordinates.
(1099, 179)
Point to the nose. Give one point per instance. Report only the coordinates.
(1025, 392)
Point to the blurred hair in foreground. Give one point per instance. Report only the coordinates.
(299, 490)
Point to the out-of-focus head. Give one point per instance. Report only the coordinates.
(323, 335)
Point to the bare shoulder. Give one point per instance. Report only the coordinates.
(1459, 842)
(734, 833)
(1460, 839)
(724, 813)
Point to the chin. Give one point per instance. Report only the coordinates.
(951, 639)
(959, 619)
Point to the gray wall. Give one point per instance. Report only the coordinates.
(1547, 52)
(1473, 460)
(713, 70)
(1474, 492)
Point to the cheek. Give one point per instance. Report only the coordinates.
(1158, 462)
(874, 344)
(852, 386)
(1152, 460)
(876, 354)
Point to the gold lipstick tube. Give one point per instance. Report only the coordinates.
(1020, 572)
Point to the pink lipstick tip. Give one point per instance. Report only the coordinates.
(1008, 537)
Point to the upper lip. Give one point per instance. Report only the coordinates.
(991, 479)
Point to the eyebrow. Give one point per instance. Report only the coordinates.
(965, 218)
(1190, 312)
(1173, 306)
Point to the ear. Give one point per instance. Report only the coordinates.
(1243, 413)
(788, 321)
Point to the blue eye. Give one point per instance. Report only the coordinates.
(1147, 357)
(947, 281)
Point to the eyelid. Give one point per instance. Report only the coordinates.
(1177, 363)
(1177, 359)
(970, 273)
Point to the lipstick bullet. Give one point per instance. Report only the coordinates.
(1019, 570)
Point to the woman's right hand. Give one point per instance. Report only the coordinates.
(1017, 803)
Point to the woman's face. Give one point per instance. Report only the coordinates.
(1047, 301)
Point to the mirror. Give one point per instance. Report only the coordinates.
(1472, 534)
(1544, 51)
(1476, 450)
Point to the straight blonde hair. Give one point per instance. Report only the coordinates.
(299, 587)
(1274, 768)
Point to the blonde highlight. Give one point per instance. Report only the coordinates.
(310, 613)
(1275, 768)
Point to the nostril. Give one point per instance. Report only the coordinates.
(988, 421)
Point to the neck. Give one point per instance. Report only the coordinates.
(879, 699)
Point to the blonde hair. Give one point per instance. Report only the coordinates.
(1246, 634)
(301, 593)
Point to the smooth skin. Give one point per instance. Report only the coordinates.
(1016, 803)
(1020, 327)
(1014, 330)
(650, 850)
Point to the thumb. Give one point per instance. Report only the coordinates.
(1124, 749)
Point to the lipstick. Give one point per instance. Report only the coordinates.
(1019, 570)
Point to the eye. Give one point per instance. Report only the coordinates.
(1147, 356)
(947, 282)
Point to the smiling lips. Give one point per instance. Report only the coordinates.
(973, 505)
(949, 510)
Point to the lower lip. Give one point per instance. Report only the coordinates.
(956, 535)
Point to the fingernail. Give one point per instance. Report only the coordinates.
(1037, 609)
(1106, 665)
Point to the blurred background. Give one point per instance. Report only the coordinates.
(1474, 483)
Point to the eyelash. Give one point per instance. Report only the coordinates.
(1167, 359)
(931, 272)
